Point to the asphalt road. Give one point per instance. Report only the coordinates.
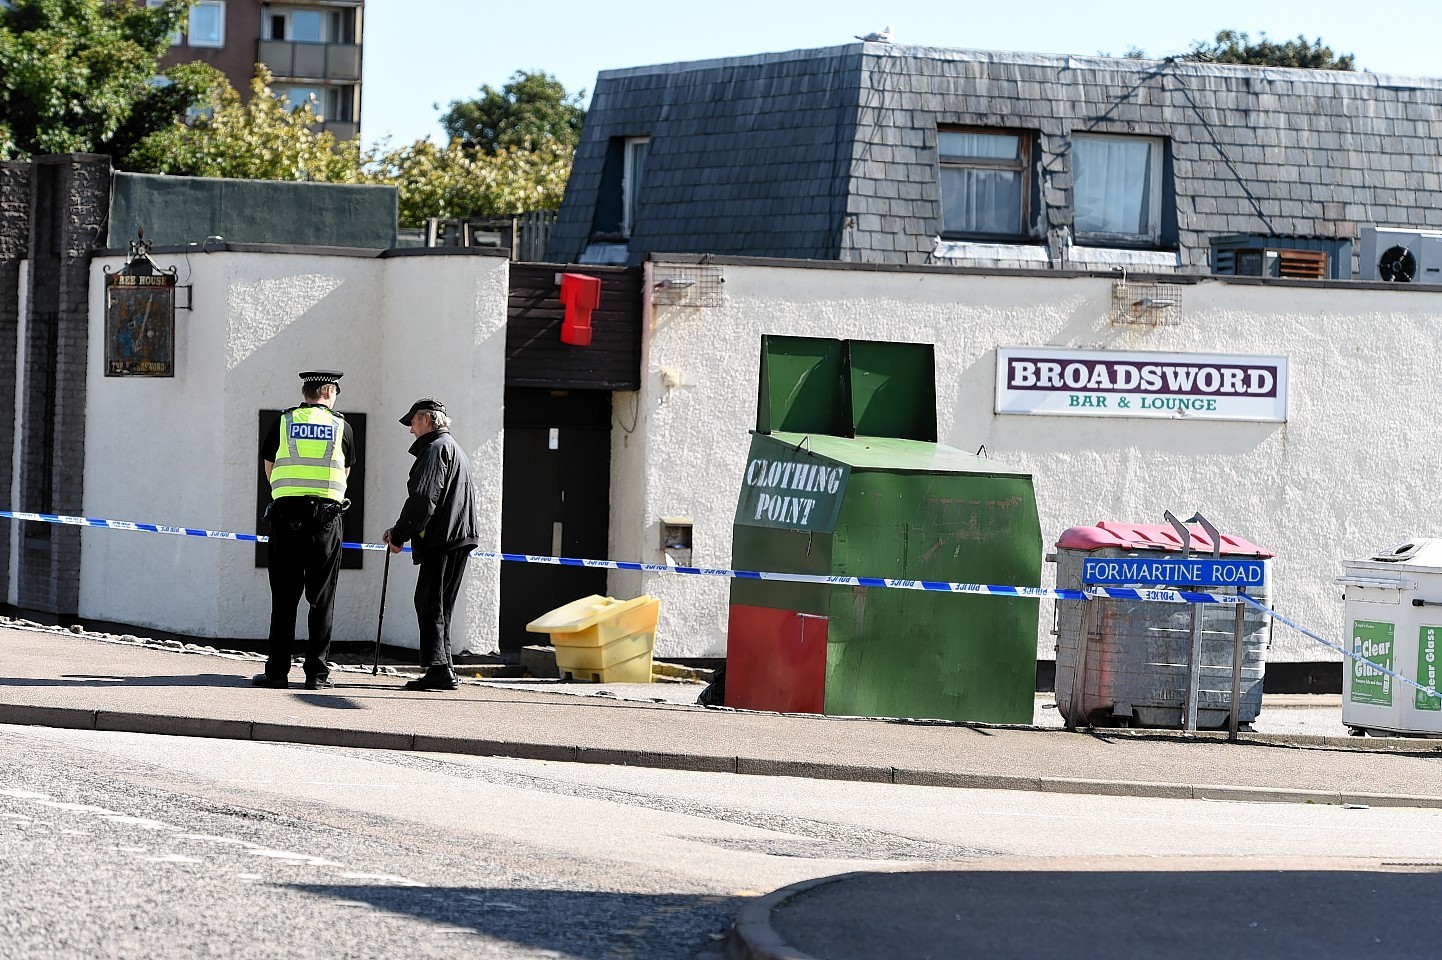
(115, 844)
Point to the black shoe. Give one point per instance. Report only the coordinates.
(319, 683)
(266, 680)
(434, 680)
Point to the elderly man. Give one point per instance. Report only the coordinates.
(439, 520)
(308, 454)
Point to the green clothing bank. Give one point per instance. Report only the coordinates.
(845, 478)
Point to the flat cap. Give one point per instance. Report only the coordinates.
(424, 403)
(318, 377)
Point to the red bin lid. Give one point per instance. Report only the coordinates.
(1152, 536)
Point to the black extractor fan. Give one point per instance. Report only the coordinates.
(1397, 264)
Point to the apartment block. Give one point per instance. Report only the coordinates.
(312, 49)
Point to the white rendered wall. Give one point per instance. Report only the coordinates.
(1352, 471)
(445, 336)
(14, 530)
(183, 450)
(633, 518)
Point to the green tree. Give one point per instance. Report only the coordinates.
(264, 138)
(529, 109)
(1232, 46)
(72, 72)
(457, 182)
(184, 89)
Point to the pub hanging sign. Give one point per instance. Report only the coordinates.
(140, 318)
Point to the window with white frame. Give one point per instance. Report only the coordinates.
(985, 182)
(302, 26)
(305, 25)
(1117, 188)
(635, 175)
(207, 24)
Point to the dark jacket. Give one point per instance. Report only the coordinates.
(440, 509)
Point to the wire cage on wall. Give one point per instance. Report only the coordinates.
(1152, 304)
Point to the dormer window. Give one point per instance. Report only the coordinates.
(985, 182)
(1117, 188)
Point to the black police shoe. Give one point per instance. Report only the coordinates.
(266, 680)
(319, 683)
(441, 679)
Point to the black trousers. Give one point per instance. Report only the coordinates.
(304, 557)
(437, 586)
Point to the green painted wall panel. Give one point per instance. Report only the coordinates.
(803, 386)
(898, 456)
(787, 551)
(921, 654)
(893, 389)
(181, 210)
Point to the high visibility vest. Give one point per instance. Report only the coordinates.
(311, 458)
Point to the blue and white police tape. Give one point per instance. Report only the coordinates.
(938, 586)
(158, 528)
(994, 590)
(1039, 593)
(1356, 657)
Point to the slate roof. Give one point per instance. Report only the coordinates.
(831, 153)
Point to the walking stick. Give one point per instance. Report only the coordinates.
(385, 578)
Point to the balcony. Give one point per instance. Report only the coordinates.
(293, 60)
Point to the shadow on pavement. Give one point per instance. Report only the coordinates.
(330, 701)
(573, 923)
(101, 680)
(1393, 747)
(1274, 914)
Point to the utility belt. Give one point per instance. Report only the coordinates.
(300, 513)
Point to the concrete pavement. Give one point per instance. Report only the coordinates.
(56, 678)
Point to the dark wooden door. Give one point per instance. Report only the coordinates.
(556, 499)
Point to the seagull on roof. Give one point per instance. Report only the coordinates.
(876, 36)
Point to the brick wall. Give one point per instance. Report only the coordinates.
(69, 204)
(14, 243)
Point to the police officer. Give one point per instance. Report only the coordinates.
(308, 455)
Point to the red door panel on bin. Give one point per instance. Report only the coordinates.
(775, 660)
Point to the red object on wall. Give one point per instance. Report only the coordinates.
(580, 295)
(775, 660)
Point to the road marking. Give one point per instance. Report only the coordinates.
(85, 807)
(213, 839)
(144, 823)
(293, 857)
(388, 878)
